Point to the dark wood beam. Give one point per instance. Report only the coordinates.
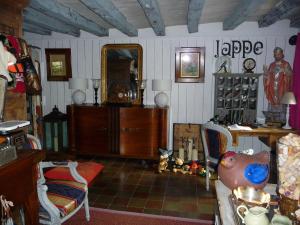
(152, 12)
(108, 12)
(241, 13)
(54, 9)
(282, 10)
(194, 14)
(35, 29)
(37, 18)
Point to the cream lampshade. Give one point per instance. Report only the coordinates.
(79, 84)
(161, 99)
(288, 99)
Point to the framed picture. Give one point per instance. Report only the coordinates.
(190, 65)
(58, 64)
(182, 132)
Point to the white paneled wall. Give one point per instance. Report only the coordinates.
(190, 102)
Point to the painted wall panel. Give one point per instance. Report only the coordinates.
(190, 102)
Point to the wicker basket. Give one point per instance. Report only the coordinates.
(288, 207)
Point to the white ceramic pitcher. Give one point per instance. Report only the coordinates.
(254, 216)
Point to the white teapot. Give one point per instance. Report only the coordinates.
(254, 216)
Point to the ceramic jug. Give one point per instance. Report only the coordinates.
(254, 216)
(280, 220)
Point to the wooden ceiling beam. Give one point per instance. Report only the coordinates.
(37, 18)
(152, 12)
(108, 12)
(194, 14)
(282, 10)
(241, 13)
(295, 21)
(35, 29)
(54, 9)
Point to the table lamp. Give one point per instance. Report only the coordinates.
(79, 84)
(288, 99)
(161, 99)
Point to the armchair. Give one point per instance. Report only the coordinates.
(60, 199)
(216, 141)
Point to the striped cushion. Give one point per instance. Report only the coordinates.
(66, 195)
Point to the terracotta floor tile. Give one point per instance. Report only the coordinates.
(137, 203)
(152, 211)
(154, 204)
(120, 201)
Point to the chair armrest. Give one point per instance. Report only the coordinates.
(46, 203)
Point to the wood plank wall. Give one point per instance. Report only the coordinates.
(190, 103)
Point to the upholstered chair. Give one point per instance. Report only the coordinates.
(216, 141)
(60, 199)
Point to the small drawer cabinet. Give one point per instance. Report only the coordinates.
(134, 131)
(236, 97)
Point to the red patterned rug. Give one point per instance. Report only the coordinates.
(112, 217)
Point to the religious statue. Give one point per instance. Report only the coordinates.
(277, 78)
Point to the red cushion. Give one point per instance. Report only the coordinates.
(88, 170)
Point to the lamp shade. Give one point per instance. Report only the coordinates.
(78, 83)
(288, 98)
(161, 85)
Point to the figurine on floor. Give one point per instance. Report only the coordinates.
(163, 163)
(237, 169)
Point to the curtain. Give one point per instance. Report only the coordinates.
(295, 109)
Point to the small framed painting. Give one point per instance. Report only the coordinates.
(58, 64)
(190, 65)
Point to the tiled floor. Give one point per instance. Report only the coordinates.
(126, 184)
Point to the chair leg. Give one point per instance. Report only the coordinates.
(87, 209)
(207, 178)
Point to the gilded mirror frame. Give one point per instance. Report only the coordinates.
(104, 79)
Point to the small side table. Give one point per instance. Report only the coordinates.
(225, 215)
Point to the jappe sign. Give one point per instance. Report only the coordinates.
(235, 47)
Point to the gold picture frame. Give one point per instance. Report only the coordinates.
(58, 64)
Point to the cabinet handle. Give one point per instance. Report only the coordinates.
(101, 129)
(130, 129)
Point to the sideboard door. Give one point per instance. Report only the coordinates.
(92, 128)
(140, 132)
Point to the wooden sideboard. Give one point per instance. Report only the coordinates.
(134, 131)
(18, 180)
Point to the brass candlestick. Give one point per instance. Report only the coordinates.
(142, 87)
(96, 84)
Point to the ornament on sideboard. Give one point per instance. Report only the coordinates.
(96, 84)
(235, 47)
(142, 86)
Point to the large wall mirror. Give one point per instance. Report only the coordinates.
(121, 73)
